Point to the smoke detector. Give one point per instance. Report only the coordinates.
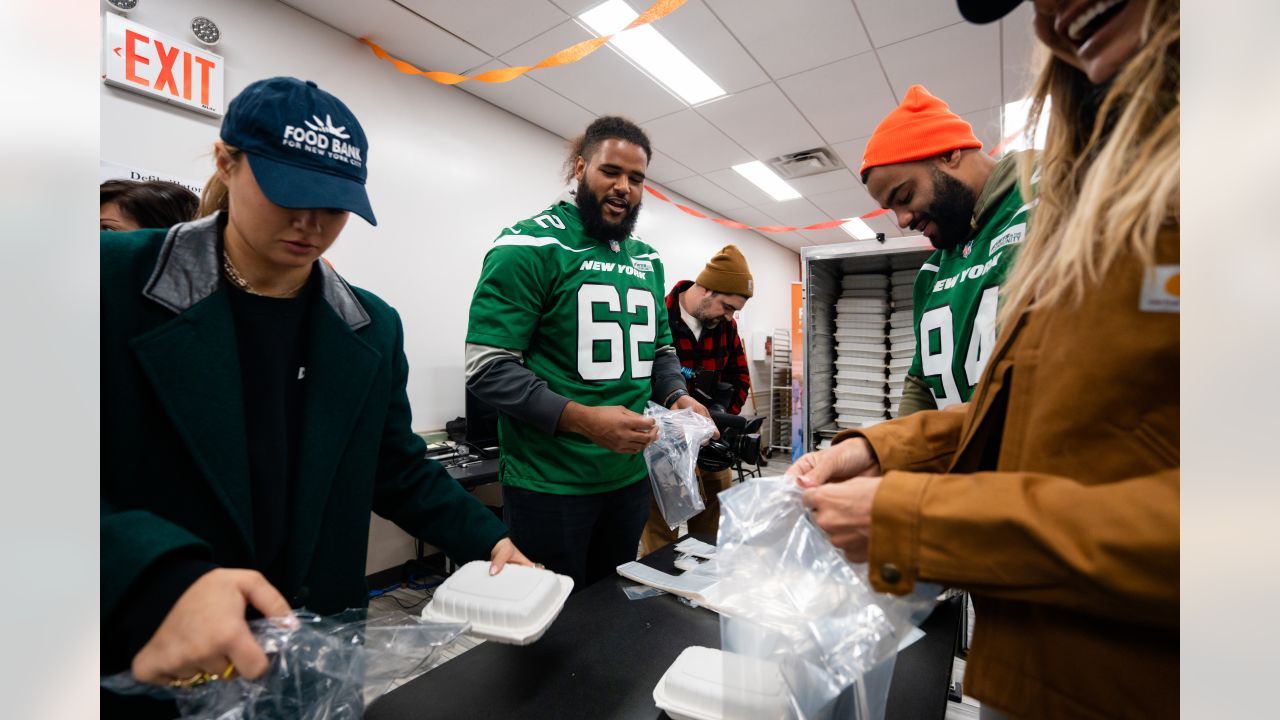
(805, 163)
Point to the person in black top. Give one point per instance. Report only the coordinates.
(254, 408)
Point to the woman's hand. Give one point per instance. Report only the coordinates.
(851, 458)
(205, 631)
(843, 511)
(507, 552)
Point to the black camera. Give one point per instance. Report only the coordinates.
(739, 439)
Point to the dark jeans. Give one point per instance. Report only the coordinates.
(583, 536)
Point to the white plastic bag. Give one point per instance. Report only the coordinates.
(672, 459)
(787, 595)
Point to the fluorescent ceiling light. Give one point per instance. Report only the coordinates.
(1013, 119)
(765, 179)
(859, 229)
(651, 51)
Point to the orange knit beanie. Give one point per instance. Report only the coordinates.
(921, 127)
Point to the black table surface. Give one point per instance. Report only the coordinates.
(475, 473)
(604, 654)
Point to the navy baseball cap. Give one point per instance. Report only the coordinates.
(981, 12)
(305, 146)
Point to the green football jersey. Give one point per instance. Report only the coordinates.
(587, 319)
(956, 294)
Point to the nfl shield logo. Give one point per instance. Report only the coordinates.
(968, 248)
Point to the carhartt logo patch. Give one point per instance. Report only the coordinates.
(1161, 289)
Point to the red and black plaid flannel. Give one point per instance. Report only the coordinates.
(719, 349)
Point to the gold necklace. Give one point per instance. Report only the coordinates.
(233, 275)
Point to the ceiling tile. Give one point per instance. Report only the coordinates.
(844, 204)
(398, 31)
(843, 100)
(833, 236)
(986, 125)
(663, 169)
(960, 64)
(577, 7)
(798, 212)
(889, 22)
(752, 216)
(694, 142)
(888, 225)
(603, 82)
(1019, 47)
(494, 26)
(707, 194)
(851, 153)
(825, 182)
(730, 180)
(763, 121)
(525, 98)
(789, 38)
(705, 41)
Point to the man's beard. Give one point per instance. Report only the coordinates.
(951, 210)
(704, 315)
(592, 212)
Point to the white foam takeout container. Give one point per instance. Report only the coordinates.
(516, 606)
(708, 684)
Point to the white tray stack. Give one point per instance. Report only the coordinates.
(902, 335)
(861, 348)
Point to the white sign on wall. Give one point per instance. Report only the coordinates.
(108, 170)
(144, 61)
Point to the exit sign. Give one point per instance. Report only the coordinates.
(154, 64)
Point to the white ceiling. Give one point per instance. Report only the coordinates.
(800, 74)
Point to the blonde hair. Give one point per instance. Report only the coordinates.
(1109, 172)
(214, 196)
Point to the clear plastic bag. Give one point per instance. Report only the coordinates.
(787, 595)
(322, 668)
(672, 458)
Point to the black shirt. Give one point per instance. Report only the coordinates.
(271, 337)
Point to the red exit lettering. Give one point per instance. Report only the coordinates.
(165, 80)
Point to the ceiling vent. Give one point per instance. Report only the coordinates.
(805, 163)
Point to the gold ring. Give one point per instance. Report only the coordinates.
(231, 667)
(196, 680)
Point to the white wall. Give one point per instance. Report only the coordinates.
(446, 172)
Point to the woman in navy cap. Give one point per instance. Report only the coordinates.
(254, 408)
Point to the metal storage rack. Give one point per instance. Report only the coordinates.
(824, 270)
(779, 423)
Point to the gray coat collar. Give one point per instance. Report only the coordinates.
(189, 271)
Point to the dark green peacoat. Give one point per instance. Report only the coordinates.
(175, 468)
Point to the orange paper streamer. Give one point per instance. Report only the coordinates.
(825, 225)
(573, 54)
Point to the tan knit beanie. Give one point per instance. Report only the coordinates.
(727, 273)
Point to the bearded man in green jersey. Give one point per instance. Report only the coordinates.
(568, 337)
(924, 163)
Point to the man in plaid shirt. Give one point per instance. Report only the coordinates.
(705, 334)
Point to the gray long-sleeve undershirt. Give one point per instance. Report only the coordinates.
(499, 377)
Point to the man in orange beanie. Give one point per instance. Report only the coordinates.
(924, 163)
(703, 329)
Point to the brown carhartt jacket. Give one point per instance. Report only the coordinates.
(1053, 498)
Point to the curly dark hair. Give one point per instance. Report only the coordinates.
(601, 129)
